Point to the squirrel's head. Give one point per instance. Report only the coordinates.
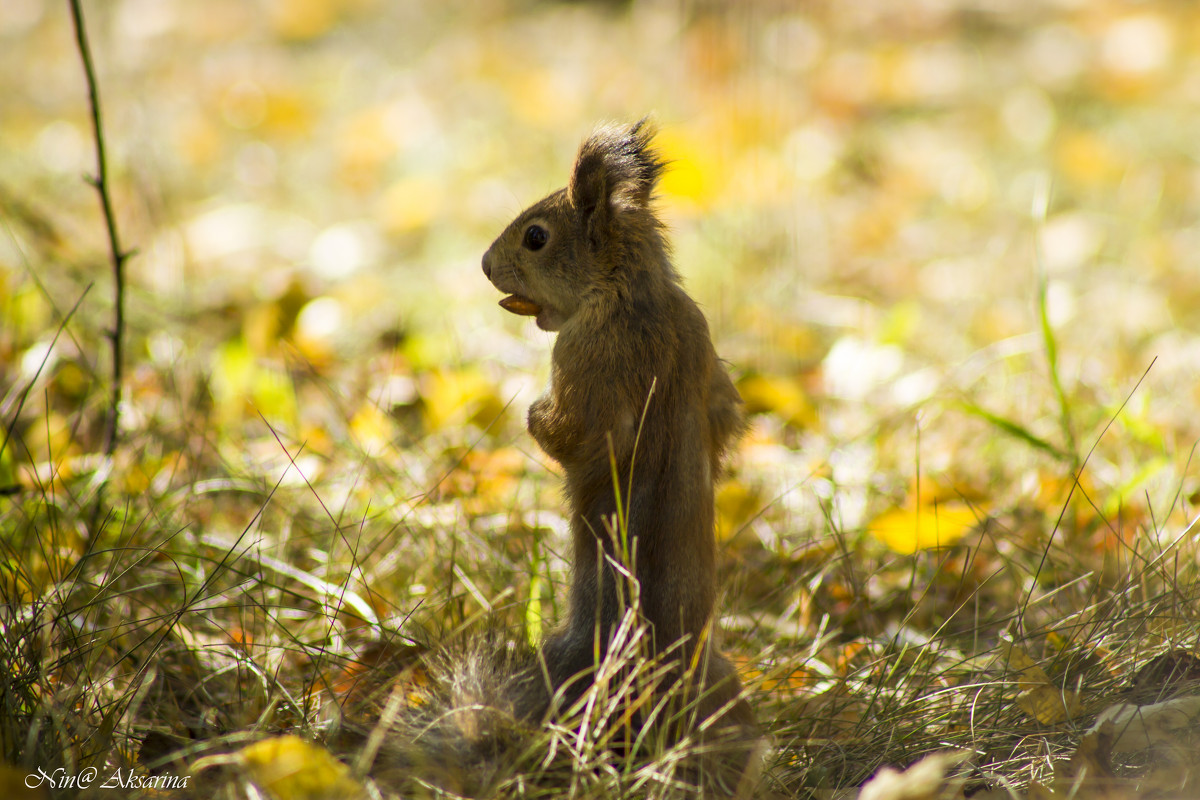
(576, 242)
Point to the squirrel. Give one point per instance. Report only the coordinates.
(635, 385)
(640, 414)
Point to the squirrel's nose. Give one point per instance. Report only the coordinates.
(487, 265)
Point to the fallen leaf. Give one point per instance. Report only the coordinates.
(372, 428)
(290, 768)
(737, 503)
(455, 396)
(15, 784)
(303, 19)
(1037, 695)
(779, 395)
(925, 780)
(911, 528)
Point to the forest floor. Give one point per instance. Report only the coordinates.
(949, 250)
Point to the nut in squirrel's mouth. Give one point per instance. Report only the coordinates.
(516, 304)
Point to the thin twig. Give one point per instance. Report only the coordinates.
(119, 256)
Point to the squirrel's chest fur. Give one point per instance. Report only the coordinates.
(629, 387)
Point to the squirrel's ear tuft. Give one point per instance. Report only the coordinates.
(616, 168)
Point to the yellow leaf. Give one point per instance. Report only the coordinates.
(303, 19)
(458, 396)
(232, 373)
(262, 325)
(288, 113)
(428, 351)
(694, 175)
(292, 769)
(486, 479)
(496, 472)
(737, 503)
(241, 386)
(27, 311)
(778, 395)
(274, 396)
(1056, 489)
(15, 783)
(372, 428)
(945, 489)
(800, 343)
(72, 381)
(135, 479)
(925, 527)
(1086, 158)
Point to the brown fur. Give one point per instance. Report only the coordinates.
(636, 386)
(635, 383)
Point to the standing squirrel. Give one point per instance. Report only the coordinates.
(639, 413)
(638, 405)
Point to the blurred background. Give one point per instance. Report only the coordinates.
(864, 197)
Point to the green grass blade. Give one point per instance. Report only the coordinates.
(1017, 431)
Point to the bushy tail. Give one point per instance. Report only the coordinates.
(477, 718)
(461, 719)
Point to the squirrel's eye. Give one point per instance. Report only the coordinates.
(535, 237)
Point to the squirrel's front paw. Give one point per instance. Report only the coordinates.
(537, 420)
(550, 430)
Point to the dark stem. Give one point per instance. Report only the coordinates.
(100, 182)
